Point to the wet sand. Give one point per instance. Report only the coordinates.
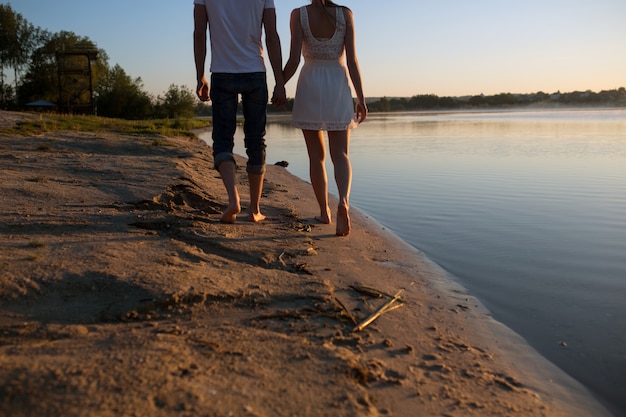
(121, 293)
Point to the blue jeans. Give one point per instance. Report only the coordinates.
(225, 89)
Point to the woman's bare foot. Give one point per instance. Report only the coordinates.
(256, 217)
(324, 218)
(343, 221)
(230, 214)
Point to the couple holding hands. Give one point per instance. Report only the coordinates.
(323, 33)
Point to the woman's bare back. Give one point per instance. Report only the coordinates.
(321, 23)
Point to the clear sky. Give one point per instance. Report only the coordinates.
(405, 47)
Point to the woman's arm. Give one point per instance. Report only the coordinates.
(296, 46)
(353, 66)
(274, 53)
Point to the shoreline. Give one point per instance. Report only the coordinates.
(513, 347)
(169, 312)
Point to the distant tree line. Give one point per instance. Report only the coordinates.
(610, 98)
(32, 55)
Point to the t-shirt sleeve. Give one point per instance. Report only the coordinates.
(269, 4)
(198, 1)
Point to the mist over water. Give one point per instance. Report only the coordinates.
(526, 209)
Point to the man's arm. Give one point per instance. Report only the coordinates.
(274, 53)
(199, 49)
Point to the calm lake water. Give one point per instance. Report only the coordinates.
(526, 209)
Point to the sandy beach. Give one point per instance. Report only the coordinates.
(122, 294)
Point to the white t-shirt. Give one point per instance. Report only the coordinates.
(235, 29)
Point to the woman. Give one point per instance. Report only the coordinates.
(323, 33)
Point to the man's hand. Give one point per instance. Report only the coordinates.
(279, 98)
(203, 89)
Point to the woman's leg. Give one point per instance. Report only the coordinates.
(317, 170)
(339, 143)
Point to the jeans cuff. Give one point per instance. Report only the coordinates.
(223, 157)
(255, 169)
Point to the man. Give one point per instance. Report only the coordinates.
(238, 67)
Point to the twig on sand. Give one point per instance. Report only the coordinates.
(280, 258)
(345, 310)
(373, 292)
(387, 307)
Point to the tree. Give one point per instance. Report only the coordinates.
(7, 97)
(424, 101)
(178, 102)
(477, 101)
(502, 99)
(17, 41)
(118, 95)
(385, 105)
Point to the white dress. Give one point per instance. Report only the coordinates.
(323, 96)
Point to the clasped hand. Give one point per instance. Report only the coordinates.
(202, 90)
(279, 98)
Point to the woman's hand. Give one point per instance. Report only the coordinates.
(361, 111)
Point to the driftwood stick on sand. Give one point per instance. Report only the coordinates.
(345, 310)
(373, 292)
(280, 258)
(387, 307)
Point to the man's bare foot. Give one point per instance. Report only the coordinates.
(324, 218)
(256, 217)
(230, 214)
(343, 221)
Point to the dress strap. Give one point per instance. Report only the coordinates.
(304, 21)
(340, 19)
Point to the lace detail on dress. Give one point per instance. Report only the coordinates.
(328, 126)
(328, 50)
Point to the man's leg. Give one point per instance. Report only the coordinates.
(228, 172)
(224, 97)
(255, 98)
(256, 189)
